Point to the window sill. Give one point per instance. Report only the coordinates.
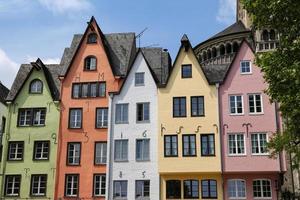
(239, 114)
(260, 154)
(256, 114)
(42, 160)
(237, 155)
(121, 122)
(104, 127)
(141, 161)
(121, 161)
(246, 73)
(143, 122)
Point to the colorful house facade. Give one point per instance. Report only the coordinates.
(30, 140)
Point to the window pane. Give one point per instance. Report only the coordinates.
(76, 91)
(139, 78)
(186, 71)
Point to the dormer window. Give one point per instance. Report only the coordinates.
(92, 38)
(90, 63)
(36, 86)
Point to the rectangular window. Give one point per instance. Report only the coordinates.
(255, 103)
(121, 150)
(236, 189)
(259, 143)
(74, 151)
(76, 90)
(197, 106)
(142, 189)
(15, 151)
(88, 90)
(32, 116)
(75, 118)
(102, 89)
(100, 153)
(245, 67)
(189, 145)
(236, 104)
(236, 144)
(72, 185)
(122, 113)
(93, 90)
(179, 107)
(41, 150)
(85, 90)
(101, 117)
(171, 146)
(143, 149)
(99, 185)
(262, 188)
(173, 188)
(186, 71)
(12, 185)
(139, 79)
(209, 189)
(120, 189)
(191, 189)
(142, 112)
(208, 145)
(38, 185)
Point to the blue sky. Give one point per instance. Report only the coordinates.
(43, 28)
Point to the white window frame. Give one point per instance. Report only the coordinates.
(261, 102)
(143, 149)
(267, 138)
(37, 116)
(121, 152)
(261, 186)
(39, 176)
(77, 118)
(143, 189)
(74, 156)
(42, 150)
(236, 190)
(72, 185)
(236, 146)
(102, 156)
(13, 185)
(235, 104)
(114, 189)
(102, 119)
(250, 66)
(98, 191)
(15, 153)
(122, 121)
(135, 78)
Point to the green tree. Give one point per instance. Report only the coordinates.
(281, 67)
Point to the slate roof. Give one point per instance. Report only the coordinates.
(3, 93)
(215, 73)
(51, 71)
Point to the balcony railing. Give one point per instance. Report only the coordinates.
(266, 45)
(222, 59)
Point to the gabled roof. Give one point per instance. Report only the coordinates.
(3, 93)
(51, 72)
(119, 47)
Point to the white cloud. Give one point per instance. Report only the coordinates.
(61, 6)
(44, 60)
(8, 69)
(227, 11)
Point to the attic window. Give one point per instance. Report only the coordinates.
(92, 38)
(90, 63)
(36, 86)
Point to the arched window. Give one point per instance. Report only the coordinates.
(235, 47)
(36, 86)
(204, 56)
(209, 54)
(214, 52)
(272, 35)
(90, 63)
(92, 38)
(265, 35)
(228, 48)
(222, 50)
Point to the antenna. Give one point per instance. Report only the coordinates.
(140, 35)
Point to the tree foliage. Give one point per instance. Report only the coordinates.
(281, 67)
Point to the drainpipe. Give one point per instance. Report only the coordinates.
(277, 117)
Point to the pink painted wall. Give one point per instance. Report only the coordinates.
(237, 83)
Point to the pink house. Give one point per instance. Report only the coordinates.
(248, 121)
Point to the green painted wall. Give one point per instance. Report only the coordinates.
(30, 134)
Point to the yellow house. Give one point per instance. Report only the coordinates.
(189, 137)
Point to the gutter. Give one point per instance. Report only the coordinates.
(277, 117)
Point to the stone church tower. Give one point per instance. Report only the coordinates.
(242, 15)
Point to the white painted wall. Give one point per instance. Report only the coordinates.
(133, 170)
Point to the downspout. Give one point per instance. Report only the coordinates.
(278, 130)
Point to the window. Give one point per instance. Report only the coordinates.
(236, 144)
(92, 38)
(246, 67)
(38, 185)
(90, 63)
(32, 116)
(255, 103)
(236, 189)
(15, 151)
(120, 189)
(208, 145)
(102, 89)
(75, 118)
(197, 106)
(99, 185)
(72, 185)
(101, 117)
(88, 90)
(76, 90)
(236, 104)
(142, 189)
(262, 188)
(173, 188)
(12, 185)
(122, 113)
(209, 189)
(142, 112)
(74, 153)
(179, 107)
(100, 153)
(85, 90)
(41, 150)
(121, 150)
(191, 189)
(259, 143)
(93, 90)
(143, 149)
(139, 79)
(189, 145)
(36, 87)
(171, 147)
(186, 71)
